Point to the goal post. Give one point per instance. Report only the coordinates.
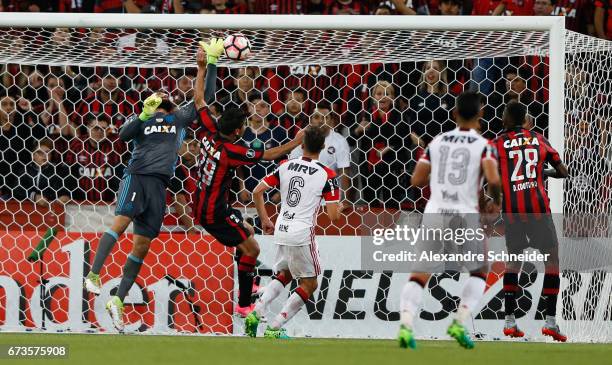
(64, 76)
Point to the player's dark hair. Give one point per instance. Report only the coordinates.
(515, 114)
(314, 139)
(231, 119)
(166, 105)
(469, 104)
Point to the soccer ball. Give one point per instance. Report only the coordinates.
(237, 47)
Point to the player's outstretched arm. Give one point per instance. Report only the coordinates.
(277, 152)
(206, 79)
(560, 171)
(420, 176)
(258, 198)
(334, 210)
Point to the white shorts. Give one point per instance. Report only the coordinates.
(301, 261)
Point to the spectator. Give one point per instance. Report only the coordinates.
(13, 152)
(244, 81)
(336, 154)
(386, 148)
(184, 89)
(228, 7)
(450, 7)
(41, 181)
(35, 91)
(294, 118)
(259, 133)
(383, 9)
(183, 185)
(430, 109)
(95, 162)
(516, 89)
(587, 171)
(514, 7)
(54, 123)
(347, 7)
(543, 7)
(107, 99)
(406, 7)
(603, 19)
(314, 79)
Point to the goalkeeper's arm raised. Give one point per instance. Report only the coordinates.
(206, 79)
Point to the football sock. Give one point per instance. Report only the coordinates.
(130, 272)
(410, 301)
(272, 290)
(510, 290)
(473, 290)
(105, 246)
(551, 321)
(246, 268)
(291, 307)
(550, 290)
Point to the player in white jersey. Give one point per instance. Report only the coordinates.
(454, 166)
(304, 182)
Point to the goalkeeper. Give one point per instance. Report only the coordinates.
(157, 133)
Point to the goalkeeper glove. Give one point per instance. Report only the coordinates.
(214, 49)
(150, 106)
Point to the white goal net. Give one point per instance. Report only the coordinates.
(66, 89)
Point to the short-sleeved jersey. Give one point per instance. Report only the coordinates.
(155, 148)
(523, 155)
(456, 175)
(335, 155)
(303, 184)
(217, 164)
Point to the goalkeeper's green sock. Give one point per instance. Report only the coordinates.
(130, 272)
(105, 246)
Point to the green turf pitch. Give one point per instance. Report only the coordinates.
(134, 349)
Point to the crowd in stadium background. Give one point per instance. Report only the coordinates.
(59, 124)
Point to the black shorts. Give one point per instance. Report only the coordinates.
(229, 229)
(535, 232)
(142, 198)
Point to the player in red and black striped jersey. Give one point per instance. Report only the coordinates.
(523, 155)
(220, 155)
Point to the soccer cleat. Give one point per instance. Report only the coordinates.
(243, 312)
(280, 334)
(92, 283)
(554, 332)
(406, 338)
(251, 323)
(459, 333)
(114, 307)
(513, 331)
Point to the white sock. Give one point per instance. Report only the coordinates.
(410, 302)
(510, 319)
(291, 307)
(473, 290)
(551, 321)
(272, 290)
